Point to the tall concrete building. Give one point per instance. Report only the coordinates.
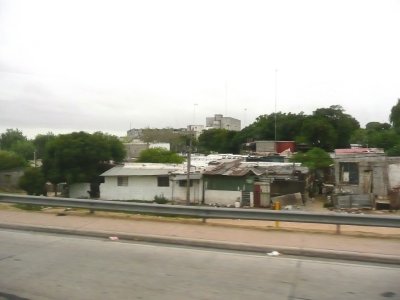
(221, 122)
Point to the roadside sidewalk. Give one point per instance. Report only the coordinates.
(326, 245)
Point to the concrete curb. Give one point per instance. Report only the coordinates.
(295, 251)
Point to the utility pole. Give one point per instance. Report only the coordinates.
(189, 154)
(276, 98)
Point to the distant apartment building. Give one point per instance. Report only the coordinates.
(196, 129)
(221, 122)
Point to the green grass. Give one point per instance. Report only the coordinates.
(30, 207)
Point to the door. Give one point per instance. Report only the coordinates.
(257, 195)
(367, 182)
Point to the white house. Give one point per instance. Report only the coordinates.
(145, 181)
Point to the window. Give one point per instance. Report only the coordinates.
(348, 172)
(122, 180)
(182, 183)
(162, 181)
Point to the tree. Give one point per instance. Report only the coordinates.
(81, 157)
(360, 136)
(25, 149)
(159, 155)
(33, 182)
(40, 142)
(343, 124)
(385, 139)
(394, 151)
(10, 137)
(377, 126)
(395, 116)
(288, 127)
(10, 160)
(218, 140)
(315, 158)
(318, 132)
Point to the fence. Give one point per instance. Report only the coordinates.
(208, 212)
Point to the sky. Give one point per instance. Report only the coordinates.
(109, 66)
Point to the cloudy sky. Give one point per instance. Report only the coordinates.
(111, 65)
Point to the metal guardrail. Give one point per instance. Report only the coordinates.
(208, 212)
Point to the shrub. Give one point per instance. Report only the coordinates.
(160, 199)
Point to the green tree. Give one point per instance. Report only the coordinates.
(10, 160)
(160, 155)
(25, 149)
(33, 182)
(218, 140)
(40, 142)
(394, 151)
(318, 132)
(395, 116)
(81, 157)
(377, 126)
(359, 136)
(385, 139)
(10, 137)
(318, 161)
(288, 127)
(343, 124)
(315, 158)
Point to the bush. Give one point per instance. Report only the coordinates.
(160, 199)
(33, 182)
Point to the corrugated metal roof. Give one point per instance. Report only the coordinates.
(359, 151)
(138, 169)
(239, 168)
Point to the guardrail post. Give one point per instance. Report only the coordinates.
(337, 228)
(277, 206)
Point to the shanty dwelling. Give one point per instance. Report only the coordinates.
(368, 171)
(9, 178)
(252, 183)
(79, 190)
(145, 181)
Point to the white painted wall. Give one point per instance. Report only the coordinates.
(178, 193)
(394, 175)
(139, 188)
(79, 190)
(222, 197)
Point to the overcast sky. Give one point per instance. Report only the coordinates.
(111, 65)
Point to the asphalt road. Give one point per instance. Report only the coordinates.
(44, 266)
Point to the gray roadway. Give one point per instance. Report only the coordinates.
(44, 266)
(384, 246)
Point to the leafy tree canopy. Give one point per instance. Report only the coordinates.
(159, 155)
(395, 116)
(218, 140)
(10, 137)
(10, 160)
(80, 156)
(377, 126)
(343, 124)
(25, 149)
(319, 133)
(315, 158)
(40, 142)
(33, 182)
